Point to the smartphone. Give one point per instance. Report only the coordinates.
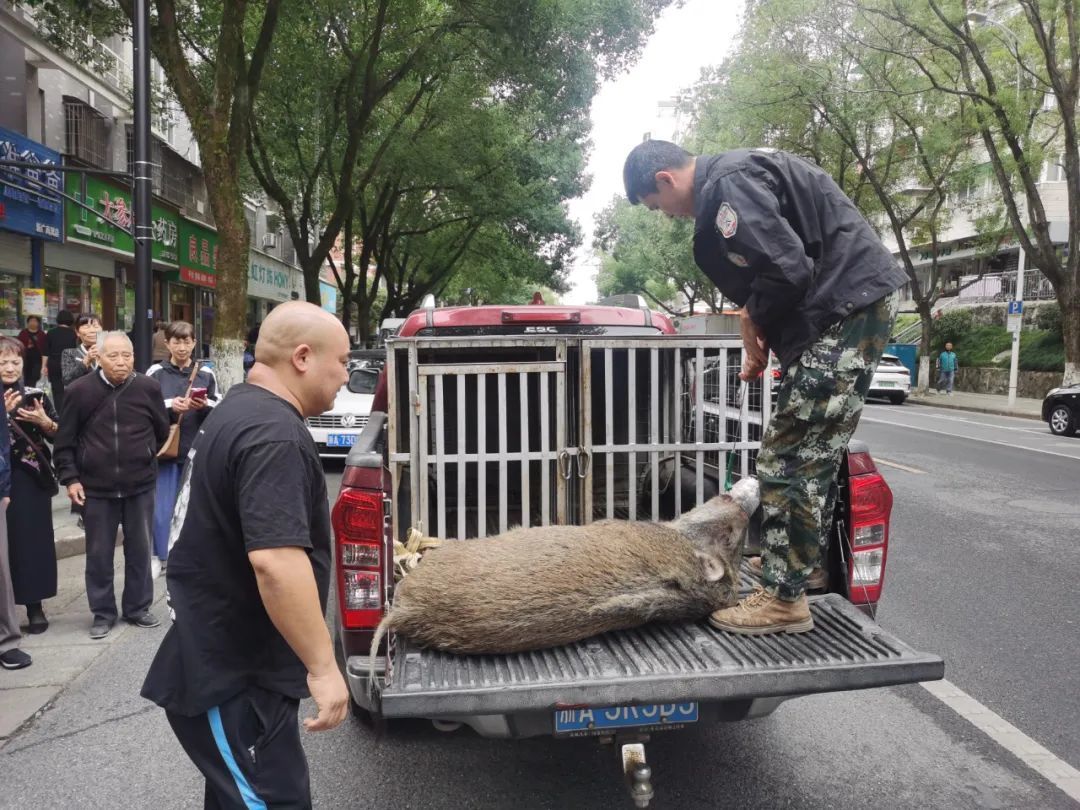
(198, 393)
(30, 394)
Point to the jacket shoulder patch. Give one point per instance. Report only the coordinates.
(727, 221)
(737, 259)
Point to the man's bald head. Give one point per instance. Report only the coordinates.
(301, 355)
(291, 325)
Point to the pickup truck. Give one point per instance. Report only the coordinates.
(491, 417)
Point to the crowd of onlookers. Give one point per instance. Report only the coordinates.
(78, 416)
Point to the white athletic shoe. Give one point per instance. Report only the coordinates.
(155, 567)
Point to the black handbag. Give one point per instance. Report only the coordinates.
(44, 471)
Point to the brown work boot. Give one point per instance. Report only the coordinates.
(817, 581)
(761, 613)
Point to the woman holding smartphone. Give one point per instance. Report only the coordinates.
(83, 359)
(174, 377)
(32, 423)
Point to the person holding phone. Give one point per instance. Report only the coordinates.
(32, 422)
(80, 361)
(174, 377)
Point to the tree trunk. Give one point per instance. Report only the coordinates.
(312, 293)
(1068, 296)
(230, 303)
(927, 325)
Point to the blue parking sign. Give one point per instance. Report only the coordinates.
(1016, 307)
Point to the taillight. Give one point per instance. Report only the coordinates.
(871, 508)
(359, 532)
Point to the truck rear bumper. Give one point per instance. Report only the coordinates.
(659, 663)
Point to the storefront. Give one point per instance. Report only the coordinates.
(270, 282)
(329, 294)
(190, 294)
(30, 217)
(97, 258)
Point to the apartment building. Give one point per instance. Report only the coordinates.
(65, 236)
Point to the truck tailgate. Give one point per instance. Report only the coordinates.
(659, 663)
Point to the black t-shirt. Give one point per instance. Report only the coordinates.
(58, 339)
(253, 480)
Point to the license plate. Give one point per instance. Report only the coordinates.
(887, 384)
(597, 719)
(341, 440)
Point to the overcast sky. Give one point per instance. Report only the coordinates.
(686, 39)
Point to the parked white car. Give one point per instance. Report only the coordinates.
(892, 380)
(336, 430)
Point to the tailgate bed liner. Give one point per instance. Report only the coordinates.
(658, 663)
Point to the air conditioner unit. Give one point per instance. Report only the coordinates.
(269, 241)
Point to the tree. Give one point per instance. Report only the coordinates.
(643, 253)
(213, 55)
(804, 80)
(1021, 77)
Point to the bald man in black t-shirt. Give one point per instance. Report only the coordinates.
(249, 571)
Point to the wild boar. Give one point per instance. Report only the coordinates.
(541, 587)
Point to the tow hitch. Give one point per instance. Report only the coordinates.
(636, 771)
(638, 774)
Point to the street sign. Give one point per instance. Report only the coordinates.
(1016, 307)
(1015, 322)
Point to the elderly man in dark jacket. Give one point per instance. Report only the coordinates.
(111, 427)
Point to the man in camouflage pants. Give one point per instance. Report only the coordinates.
(779, 238)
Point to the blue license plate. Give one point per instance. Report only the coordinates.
(341, 440)
(595, 719)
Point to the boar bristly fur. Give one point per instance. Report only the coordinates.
(545, 586)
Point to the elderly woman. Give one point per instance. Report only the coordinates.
(75, 363)
(32, 421)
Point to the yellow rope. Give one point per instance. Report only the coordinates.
(407, 555)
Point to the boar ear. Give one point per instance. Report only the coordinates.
(712, 565)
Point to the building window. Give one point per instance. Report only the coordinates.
(84, 132)
(173, 177)
(1053, 170)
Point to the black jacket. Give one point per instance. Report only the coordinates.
(174, 383)
(778, 236)
(109, 443)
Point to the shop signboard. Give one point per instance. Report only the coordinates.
(329, 294)
(198, 254)
(111, 228)
(33, 301)
(26, 207)
(269, 278)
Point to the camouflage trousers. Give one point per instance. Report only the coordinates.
(817, 410)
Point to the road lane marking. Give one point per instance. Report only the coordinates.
(899, 466)
(954, 435)
(997, 728)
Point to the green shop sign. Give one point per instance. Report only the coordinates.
(198, 254)
(111, 228)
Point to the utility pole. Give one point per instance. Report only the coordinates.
(1014, 357)
(144, 229)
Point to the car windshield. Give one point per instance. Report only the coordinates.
(890, 361)
(363, 381)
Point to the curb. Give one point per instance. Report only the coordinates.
(70, 544)
(954, 406)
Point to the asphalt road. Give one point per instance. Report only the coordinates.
(979, 571)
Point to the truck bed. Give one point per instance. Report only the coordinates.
(659, 663)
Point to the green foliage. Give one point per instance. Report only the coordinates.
(1048, 318)
(648, 254)
(978, 347)
(1042, 351)
(951, 327)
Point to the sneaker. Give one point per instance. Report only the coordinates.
(817, 581)
(145, 620)
(101, 628)
(37, 621)
(155, 567)
(15, 659)
(761, 613)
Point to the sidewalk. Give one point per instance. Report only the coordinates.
(70, 539)
(980, 403)
(63, 651)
